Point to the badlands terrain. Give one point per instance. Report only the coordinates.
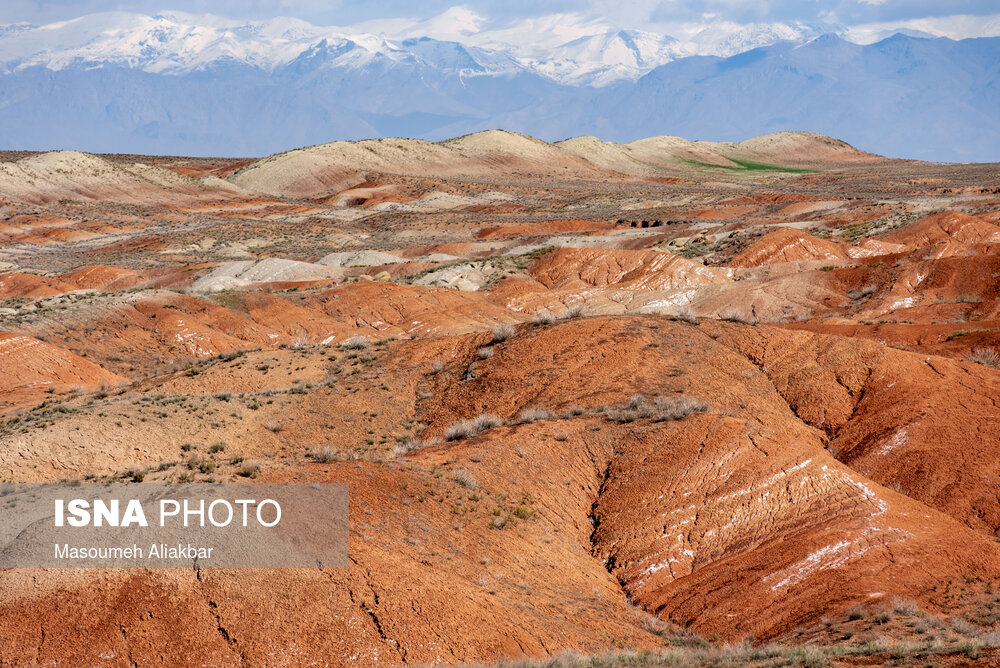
(689, 403)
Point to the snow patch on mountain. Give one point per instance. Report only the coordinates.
(566, 48)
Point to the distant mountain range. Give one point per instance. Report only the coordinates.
(178, 84)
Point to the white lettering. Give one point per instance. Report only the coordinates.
(277, 512)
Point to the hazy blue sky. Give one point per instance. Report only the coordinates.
(630, 14)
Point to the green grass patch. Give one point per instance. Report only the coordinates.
(965, 332)
(748, 166)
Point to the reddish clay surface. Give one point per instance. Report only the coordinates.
(833, 335)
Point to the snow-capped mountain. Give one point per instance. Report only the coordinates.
(203, 85)
(565, 48)
(729, 39)
(602, 59)
(177, 43)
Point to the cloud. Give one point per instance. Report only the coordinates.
(875, 15)
(813, 11)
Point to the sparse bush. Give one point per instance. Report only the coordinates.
(533, 414)
(872, 647)
(863, 292)
(985, 356)
(686, 315)
(224, 396)
(135, 475)
(470, 428)
(882, 617)
(464, 478)
(324, 454)
(355, 343)
(661, 409)
(248, 470)
(736, 315)
(653, 624)
(905, 606)
(301, 341)
(969, 648)
(217, 447)
(991, 639)
(668, 409)
(485, 353)
(274, 426)
(411, 444)
(575, 311)
(543, 318)
(562, 436)
(503, 332)
(961, 625)
(437, 367)
(856, 612)
(523, 512)
(623, 415)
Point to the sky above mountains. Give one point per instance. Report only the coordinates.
(957, 19)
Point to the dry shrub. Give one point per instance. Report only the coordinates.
(543, 318)
(661, 409)
(411, 444)
(686, 315)
(464, 478)
(503, 332)
(985, 356)
(677, 409)
(355, 343)
(324, 454)
(533, 414)
(737, 315)
(248, 470)
(470, 428)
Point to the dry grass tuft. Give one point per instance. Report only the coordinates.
(737, 315)
(355, 343)
(985, 356)
(324, 454)
(543, 318)
(464, 478)
(473, 427)
(533, 414)
(503, 332)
